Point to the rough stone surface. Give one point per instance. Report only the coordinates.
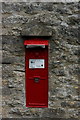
(60, 21)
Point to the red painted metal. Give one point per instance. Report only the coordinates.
(36, 41)
(36, 92)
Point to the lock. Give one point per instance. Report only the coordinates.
(36, 79)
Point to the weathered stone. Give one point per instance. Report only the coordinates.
(73, 20)
(54, 113)
(64, 10)
(13, 7)
(59, 72)
(33, 29)
(72, 112)
(60, 21)
(47, 118)
(71, 104)
(6, 91)
(8, 60)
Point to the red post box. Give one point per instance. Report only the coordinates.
(36, 65)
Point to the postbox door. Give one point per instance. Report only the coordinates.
(37, 77)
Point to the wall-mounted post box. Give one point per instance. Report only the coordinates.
(36, 65)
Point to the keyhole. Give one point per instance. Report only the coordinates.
(36, 80)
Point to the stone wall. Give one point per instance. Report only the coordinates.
(60, 21)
